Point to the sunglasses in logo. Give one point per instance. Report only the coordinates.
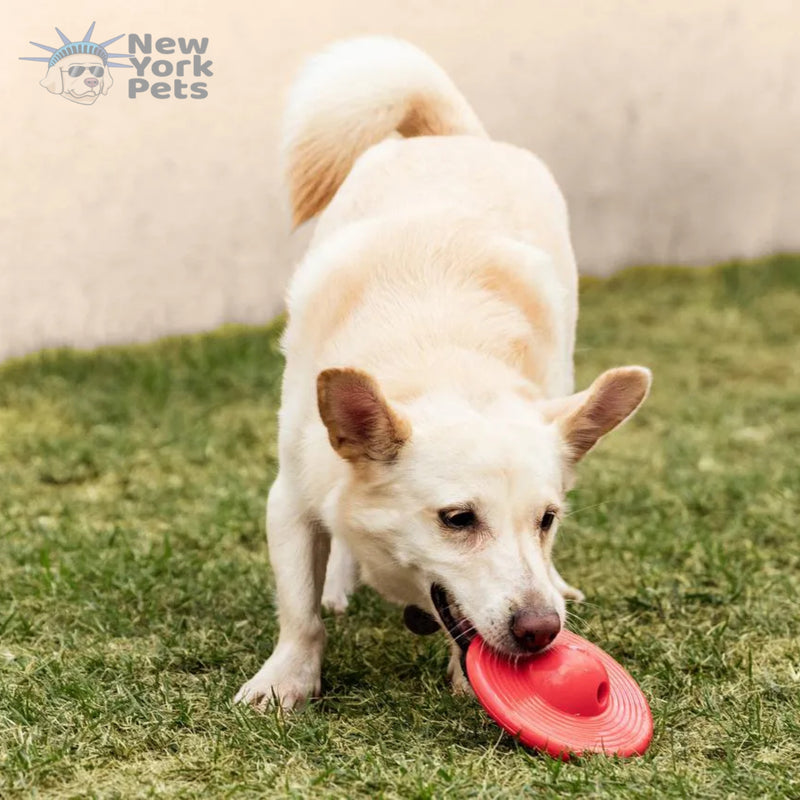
(76, 70)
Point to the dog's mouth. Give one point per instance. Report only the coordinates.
(459, 627)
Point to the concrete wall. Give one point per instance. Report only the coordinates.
(673, 127)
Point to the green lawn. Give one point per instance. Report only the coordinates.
(135, 593)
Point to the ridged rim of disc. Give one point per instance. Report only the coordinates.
(624, 727)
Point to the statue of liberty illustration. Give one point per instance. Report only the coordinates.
(79, 70)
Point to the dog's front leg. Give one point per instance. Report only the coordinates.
(455, 673)
(298, 549)
(566, 591)
(340, 579)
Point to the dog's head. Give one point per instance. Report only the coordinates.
(471, 500)
(81, 78)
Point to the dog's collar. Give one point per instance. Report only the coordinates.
(420, 622)
(424, 624)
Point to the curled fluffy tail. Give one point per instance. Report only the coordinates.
(353, 95)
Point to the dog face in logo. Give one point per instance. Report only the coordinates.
(79, 70)
(81, 78)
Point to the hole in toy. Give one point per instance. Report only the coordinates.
(602, 692)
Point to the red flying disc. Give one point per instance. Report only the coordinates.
(571, 699)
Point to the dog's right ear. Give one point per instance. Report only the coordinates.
(360, 423)
(585, 417)
(53, 81)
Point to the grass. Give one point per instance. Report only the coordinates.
(135, 594)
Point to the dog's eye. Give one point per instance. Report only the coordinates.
(547, 520)
(457, 518)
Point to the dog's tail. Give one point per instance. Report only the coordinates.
(353, 95)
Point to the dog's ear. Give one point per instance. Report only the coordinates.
(585, 417)
(53, 81)
(360, 423)
(108, 81)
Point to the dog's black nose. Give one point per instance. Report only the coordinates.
(534, 629)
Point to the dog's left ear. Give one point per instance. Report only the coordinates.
(360, 423)
(585, 417)
(53, 81)
(108, 81)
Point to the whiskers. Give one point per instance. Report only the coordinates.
(465, 635)
(573, 511)
(575, 619)
(453, 619)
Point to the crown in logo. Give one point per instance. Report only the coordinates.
(84, 45)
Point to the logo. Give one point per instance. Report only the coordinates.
(150, 68)
(80, 70)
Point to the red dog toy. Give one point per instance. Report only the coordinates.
(571, 699)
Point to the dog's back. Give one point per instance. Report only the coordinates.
(374, 109)
(381, 142)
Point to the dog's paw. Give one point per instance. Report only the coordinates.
(459, 684)
(335, 602)
(571, 593)
(263, 691)
(286, 679)
(567, 592)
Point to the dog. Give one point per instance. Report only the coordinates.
(429, 428)
(81, 78)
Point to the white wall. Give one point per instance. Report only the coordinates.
(673, 128)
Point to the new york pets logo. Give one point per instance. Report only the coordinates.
(80, 70)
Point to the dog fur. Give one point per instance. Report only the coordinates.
(429, 364)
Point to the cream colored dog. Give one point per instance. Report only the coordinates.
(428, 429)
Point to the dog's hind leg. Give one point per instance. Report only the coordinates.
(298, 549)
(567, 591)
(340, 579)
